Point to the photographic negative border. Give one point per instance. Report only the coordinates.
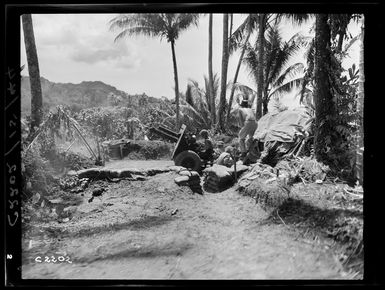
(12, 129)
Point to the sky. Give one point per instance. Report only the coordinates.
(80, 47)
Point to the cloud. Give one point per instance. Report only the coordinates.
(84, 39)
(118, 55)
(93, 54)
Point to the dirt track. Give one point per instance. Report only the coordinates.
(154, 229)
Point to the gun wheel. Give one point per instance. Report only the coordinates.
(188, 159)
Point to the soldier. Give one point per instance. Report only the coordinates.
(249, 125)
(208, 150)
(225, 158)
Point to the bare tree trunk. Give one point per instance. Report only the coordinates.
(236, 74)
(230, 30)
(265, 106)
(211, 76)
(34, 73)
(360, 109)
(261, 46)
(323, 99)
(176, 85)
(266, 99)
(225, 59)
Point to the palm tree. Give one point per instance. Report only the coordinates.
(360, 107)
(322, 79)
(34, 73)
(237, 38)
(277, 78)
(211, 77)
(261, 47)
(338, 27)
(323, 99)
(264, 22)
(225, 62)
(163, 25)
(195, 104)
(215, 86)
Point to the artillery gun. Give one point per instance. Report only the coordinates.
(187, 152)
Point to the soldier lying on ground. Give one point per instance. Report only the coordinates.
(225, 158)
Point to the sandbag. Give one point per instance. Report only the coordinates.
(185, 173)
(176, 168)
(154, 171)
(181, 179)
(219, 170)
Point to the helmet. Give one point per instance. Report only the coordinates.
(204, 133)
(243, 100)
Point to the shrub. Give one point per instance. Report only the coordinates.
(36, 174)
(106, 123)
(155, 150)
(149, 150)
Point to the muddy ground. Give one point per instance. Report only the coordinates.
(154, 229)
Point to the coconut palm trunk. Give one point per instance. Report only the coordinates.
(360, 109)
(323, 99)
(34, 73)
(261, 48)
(162, 25)
(225, 61)
(265, 104)
(236, 75)
(176, 85)
(211, 75)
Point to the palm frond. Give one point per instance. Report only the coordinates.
(165, 25)
(251, 61)
(351, 42)
(304, 94)
(181, 22)
(297, 18)
(300, 39)
(137, 31)
(188, 95)
(189, 110)
(286, 88)
(309, 54)
(290, 72)
(250, 23)
(138, 24)
(244, 89)
(185, 20)
(282, 58)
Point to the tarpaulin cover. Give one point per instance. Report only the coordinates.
(280, 126)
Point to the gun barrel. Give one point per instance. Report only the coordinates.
(165, 133)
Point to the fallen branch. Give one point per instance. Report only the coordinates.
(356, 196)
(281, 218)
(38, 132)
(69, 146)
(175, 268)
(303, 181)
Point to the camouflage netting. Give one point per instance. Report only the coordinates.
(271, 185)
(262, 183)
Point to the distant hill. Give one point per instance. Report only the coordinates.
(87, 94)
